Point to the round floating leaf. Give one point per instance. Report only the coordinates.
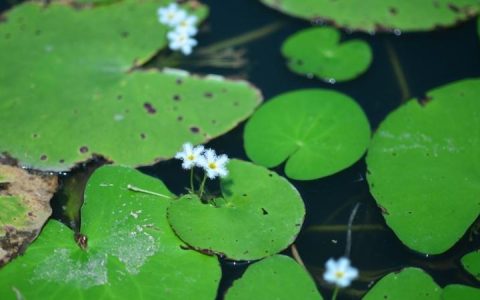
(71, 88)
(277, 277)
(410, 283)
(381, 15)
(24, 208)
(131, 251)
(261, 214)
(471, 263)
(460, 292)
(318, 51)
(424, 167)
(320, 132)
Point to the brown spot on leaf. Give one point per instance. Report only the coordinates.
(194, 129)
(142, 136)
(179, 81)
(179, 118)
(149, 108)
(208, 95)
(393, 11)
(43, 157)
(125, 34)
(83, 149)
(384, 210)
(119, 97)
(61, 161)
(176, 97)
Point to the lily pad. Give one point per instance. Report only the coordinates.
(259, 215)
(318, 51)
(24, 208)
(460, 292)
(319, 132)
(130, 251)
(277, 277)
(410, 283)
(471, 263)
(72, 89)
(381, 15)
(424, 167)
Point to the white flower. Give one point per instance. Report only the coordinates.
(188, 25)
(171, 15)
(214, 165)
(179, 40)
(190, 155)
(340, 272)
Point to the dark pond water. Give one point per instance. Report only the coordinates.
(427, 60)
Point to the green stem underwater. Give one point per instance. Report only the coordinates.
(192, 188)
(140, 190)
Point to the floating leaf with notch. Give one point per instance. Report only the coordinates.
(24, 208)
(131, 252)
(410, 283)
(318, 132)
(277, 277)
(424, 167)
(259, 215)
(318, 52)
(72, 90)
(381, 15)
(471, 263)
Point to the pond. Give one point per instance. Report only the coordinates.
(247, 37)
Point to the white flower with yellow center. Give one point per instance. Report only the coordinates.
(180, 40)
(214, 165)
(188, 25)
(340, 272)
(190, 155)
(171, 15)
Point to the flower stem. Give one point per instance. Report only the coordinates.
(140, 190)
(192, 189)
(202, 186)
(335, 293)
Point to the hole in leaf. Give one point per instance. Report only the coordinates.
(149, 107)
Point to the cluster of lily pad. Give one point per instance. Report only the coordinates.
(183, 27)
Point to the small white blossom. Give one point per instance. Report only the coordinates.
(340, 272)
(179, 40)
(188, 25)
(214, 165)
(190, 155)
(171, 15)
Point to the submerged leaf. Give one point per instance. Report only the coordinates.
(278, 277)
(318, 132)
(259, 215)
(424, 167)
(318, 51)
(71, 89)
(130, 251)
(471, 263)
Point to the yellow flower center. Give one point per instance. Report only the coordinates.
(339, 274)
(191, 157)
(212, 165)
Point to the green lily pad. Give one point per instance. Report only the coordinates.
(24, 208)
(471, 263)
(72, 90)
(424, 167)
(277, 277)
(381, 15)
(318, 132)
(261, 214)
(131, 252)
(410, 283)
(460, 292)
(318, 51)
